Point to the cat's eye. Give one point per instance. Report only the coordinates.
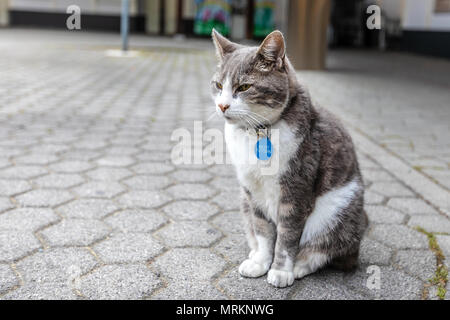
(244, 87)
(218, 85)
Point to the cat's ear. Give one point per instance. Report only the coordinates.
(273, 50)
(222, 44)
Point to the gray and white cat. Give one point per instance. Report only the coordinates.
(308, 214)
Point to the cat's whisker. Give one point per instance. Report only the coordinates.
(211, 116)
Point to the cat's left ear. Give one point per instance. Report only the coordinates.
(273, 50)
(222, 44)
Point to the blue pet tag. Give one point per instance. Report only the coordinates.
(263, 149)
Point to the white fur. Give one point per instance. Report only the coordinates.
(265, 188)
(310, 264)
(280, 278)
(259, 261)
(327, 211)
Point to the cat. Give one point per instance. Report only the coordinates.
(309, 214)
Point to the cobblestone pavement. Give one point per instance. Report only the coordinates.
(92, 207)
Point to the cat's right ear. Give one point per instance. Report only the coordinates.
(222, 44)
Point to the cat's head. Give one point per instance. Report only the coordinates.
(251, 85)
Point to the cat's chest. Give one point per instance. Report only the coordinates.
(262, 177)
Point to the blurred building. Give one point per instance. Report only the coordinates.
(421, 26)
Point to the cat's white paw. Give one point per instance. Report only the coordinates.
(252, 269)
(280, 278)
(301, 270)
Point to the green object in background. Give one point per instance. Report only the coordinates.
(263, 21)
(212, 14)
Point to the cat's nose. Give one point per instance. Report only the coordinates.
(224, 107)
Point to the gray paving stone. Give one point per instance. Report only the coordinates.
(190, 210)
(421, 263)
(234, 248)
(16, 244)
(152, 168)
(22, 172)
(27, 219)
(444, 244)
(82, 155)
(377, 176)
(399, 237)
(373, 198)
(391, 189)
(434, 223)
(37, 159)
(128, 247)
(44, 198)
(374, 253)
(230, 222)
(191, 191)
(228, 201)
(191, 176)
(115, 161)
(382, 214)
(109, 174)
(9, 278)
(157, 156)
(58, 181)
(188, 265)
(99, 189)
(411, 206)
(136, 221)
(4, 162)
(118, 282)
(75, 232)
(88, 208)
(5, 204)
(11, 187)
(189, 233)
(148, 182)
(71, 166)
(223, 170)
(238, 287)
(394, 284)
(189, 290)
(225, 183)
(143, 199)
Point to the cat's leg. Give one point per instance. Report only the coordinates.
(247, 212)
(309, 261)
(289, 230)
(260, 260)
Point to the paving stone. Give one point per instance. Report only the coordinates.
(374, 253)
(372, 198)
(324, 285)
(411, 206)
(16, 244)
(152, 168)
(188, 265)
(394, 284)
(143, 199)
(136, 221)
(75, 232)
(230, 222)
(444, 244)
(27, 219)
(189, 290)
(71, 166)
(12, 187)
(223, 170)
(9, 278)
(119, 282)
(228, 201)
(191, 176)
(88, 208)
(377, 176)
(148, 182)
(399, 237)
(238, 287)
(115, 161)
(99, 189)
(82, 155)
(225, 183)
(382, 214)
(44, 198)
(59, 181)
(109, 174)
(5, 204)
(434, 223)
(128, 247)
(190, 210)
(421, 263)
(234, 248)
(189, 233)
(157, 156)
(38, 159)
(191, 191)
(4, 162)
(22, 172)
(391, 189)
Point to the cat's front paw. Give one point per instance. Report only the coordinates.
(280, 278)
(252, 269)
